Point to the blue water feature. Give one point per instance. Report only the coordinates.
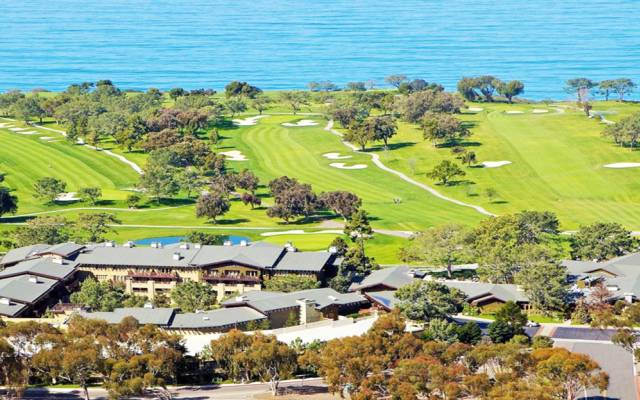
(285, 44)
(177, 239)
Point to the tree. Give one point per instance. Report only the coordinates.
(236, 106)
(241, 89)
(627, 130)
(356, 86)
(190, 181)
(511, 90)
(469, 157)
(8, 202)
(383, 128)
(360, 134)
(466, 87)
(247, 180)
(601, 241)
(96, 225)
(160, 182)
(193, 152)
(395, 80)
(358, 226)
(190, 296)
(103, 296)
(248, 198)
(442, 246)
(271, 360)
(445, 127)
(26, 108)
(294, 99)
(13, 373)
(133, 199)
(175, 93)
(291, 283)
(203, 238)
(580, 87)
(545, 284)
(214, 137)
(441, 331)
(623, 86)
(211, 205)
(469, 333)
(424, 301)
(48, 189)
(292, 199)
(223, 184)
(412, 163)
(261, 103)
(341, 202)
(91, 193)
(415, 106)
(343, 111)
(487, 85)
(605, 88)
(500, 332)
(541, 342)
(511, 314)
(445, 171)
(47, 229)
(491, 194)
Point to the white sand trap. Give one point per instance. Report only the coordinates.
(46, 137)
(335, 156)
(70, 196)
(301, 232)
(475, 109)
(623, 165)
(495, 164)
(345, 166)
(28, 132)
(18, 129)
(234, 155)
(6, 125)
(248, 121)
(539, 111)
(304, 122)
(514, 112)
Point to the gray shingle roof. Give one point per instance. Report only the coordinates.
(385, 298)
(323, 297)
(63, 249)
(137, 257)
(44, 267)
(216, 318)
(630, 285)
(22, 253)
(258, 254)
(392, 277)
(303, 261)
(11, 310)
(22, 290)
(155, 316)
(503, 292)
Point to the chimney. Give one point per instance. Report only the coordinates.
(199, 311)
(5, 301)
(288, 244)
(177, 256)
(628, 297)
(129, 243)
(519, 288)
(308, 312)
(154, 245)
(243, 243)
(240, 299)
(292, 249)
(333, 249)
(198, 245)
(110, 243)
(228, 243)
(33, 279)
(148, 305)
(59, 261)
(184, 246)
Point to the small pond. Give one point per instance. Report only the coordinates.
(177, 239)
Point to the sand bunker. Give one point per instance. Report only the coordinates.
(304, 122)
(6, 125)
(17, 129)
(335, 156)
(495, 164)
(234, 155)
(475, 109)
(248, 121)
(345, 166)
(514, 112)
(539, 111)
(70, 196)
(28, 133)
(623, 165)
(46, 137)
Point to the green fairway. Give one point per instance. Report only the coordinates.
(557, 164)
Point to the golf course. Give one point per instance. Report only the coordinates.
(547, 157)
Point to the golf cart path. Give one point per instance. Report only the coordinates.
(133, 165)
(376, 160)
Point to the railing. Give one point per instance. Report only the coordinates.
(232, 278)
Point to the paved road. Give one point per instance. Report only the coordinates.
(194, 393)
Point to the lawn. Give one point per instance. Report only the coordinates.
(556, 165)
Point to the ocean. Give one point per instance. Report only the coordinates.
(285, 44)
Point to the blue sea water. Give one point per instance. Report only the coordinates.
(285, 44)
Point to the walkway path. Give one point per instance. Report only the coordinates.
(133, 165)
(376, 160)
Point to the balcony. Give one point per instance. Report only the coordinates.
(153, 276)
(233, 279)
